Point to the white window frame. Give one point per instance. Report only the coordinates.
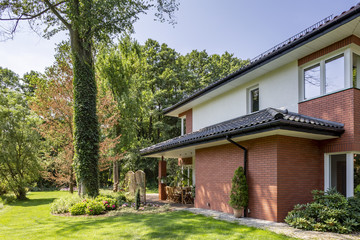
(348, 75)
(349, 171)
(249, 99)
(183, 125)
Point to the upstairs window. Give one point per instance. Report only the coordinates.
(334, 72)
(253, 99)
(324, 77)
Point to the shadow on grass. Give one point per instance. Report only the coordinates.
(172, 225)
(32, 202)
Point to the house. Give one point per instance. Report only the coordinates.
(291, 117)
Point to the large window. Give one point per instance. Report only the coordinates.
(312, 81)
(334, 72)
(324, 77)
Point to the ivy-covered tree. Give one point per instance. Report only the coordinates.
(53, 102)
(87, 22)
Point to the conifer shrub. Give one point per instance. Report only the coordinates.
(137, 199)
(239, 196)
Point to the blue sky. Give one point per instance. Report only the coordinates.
(245, 28)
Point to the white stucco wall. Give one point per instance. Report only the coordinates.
(278, 89)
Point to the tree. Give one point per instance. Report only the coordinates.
(88, 22)
(19, 143)
(53, 102)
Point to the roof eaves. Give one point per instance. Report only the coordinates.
(321, 30)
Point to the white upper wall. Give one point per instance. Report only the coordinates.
(278, 89)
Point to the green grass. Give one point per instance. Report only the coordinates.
(31, 219)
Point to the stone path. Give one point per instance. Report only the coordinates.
(280, 228)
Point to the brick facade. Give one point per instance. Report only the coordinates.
(282, 171)
(188, 116)
(340, 107)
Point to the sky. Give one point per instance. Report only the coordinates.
(245, 28)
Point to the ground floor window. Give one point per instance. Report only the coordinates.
(342, 172)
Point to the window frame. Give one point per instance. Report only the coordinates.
(249, 99)
(346, 54)
(349, 171)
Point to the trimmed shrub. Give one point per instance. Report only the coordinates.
(62, 205)
(108, 202)
(94, 207)
(78, 208)
(330, 211)
(239, 196)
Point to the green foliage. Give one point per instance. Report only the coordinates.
(137, 199)
(94, 207)
(239, 196)
(7, 199)
(3, 188)
(79, 208)
(20, 143)
(108, 202)
(330, 211)
(64, 204)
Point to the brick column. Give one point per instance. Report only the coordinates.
(162, 173)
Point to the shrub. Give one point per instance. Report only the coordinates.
(62, 205)
(78, 208)
(3, 189)
(94, 207)
(330, 211)
(239, 196)
(137, 199)
(108, 202)
(7, 199)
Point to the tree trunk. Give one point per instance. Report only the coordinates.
(116, 176)
(86, 133)
(20, 193)
(71, 182)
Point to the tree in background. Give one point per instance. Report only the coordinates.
(87, 22)
(20, 143)
(146, 79)
(53, 102)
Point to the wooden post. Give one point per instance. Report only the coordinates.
(162, 174)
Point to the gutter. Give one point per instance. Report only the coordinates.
(228, 138)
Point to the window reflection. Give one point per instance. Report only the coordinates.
(334, 74)
(312, 81)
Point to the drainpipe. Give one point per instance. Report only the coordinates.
(228, 138)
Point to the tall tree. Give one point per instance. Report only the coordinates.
(87, 21)
(19, 142)
(53, 102)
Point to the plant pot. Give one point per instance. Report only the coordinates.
(238, 213)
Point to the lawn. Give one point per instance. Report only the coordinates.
(31, 219)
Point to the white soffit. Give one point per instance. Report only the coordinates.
(350, 28)
(189, 151)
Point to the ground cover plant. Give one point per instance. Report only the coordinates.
(31, 219)
(330, 211)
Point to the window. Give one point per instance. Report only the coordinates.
(335, 71)
(342, 172)
(253, 99)
(312, 81)
(324, 77)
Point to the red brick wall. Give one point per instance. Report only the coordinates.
(215, 168)
(282, 171)
(300, 170)
(188, 115)
(340, 107)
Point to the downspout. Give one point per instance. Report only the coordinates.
(228, 138)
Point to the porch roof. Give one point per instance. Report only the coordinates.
(269, 119)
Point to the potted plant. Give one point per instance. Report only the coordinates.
(239, 196)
